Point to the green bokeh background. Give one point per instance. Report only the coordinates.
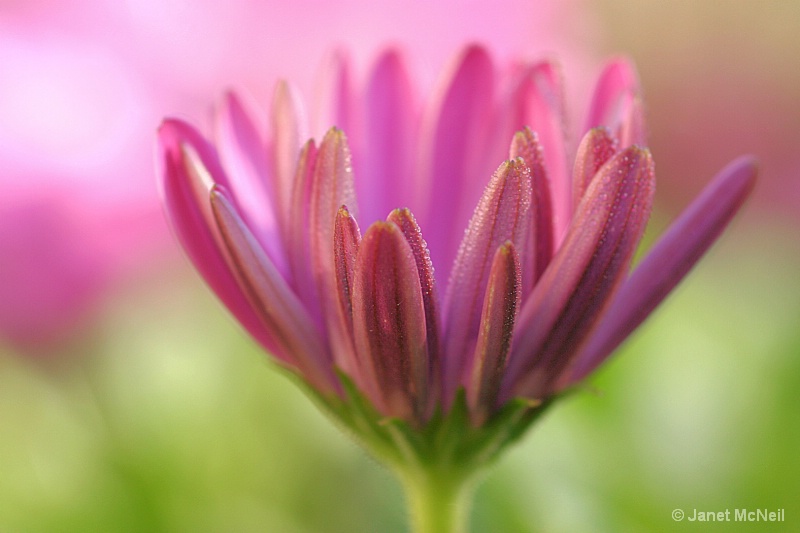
(169, 419)
(165, 417)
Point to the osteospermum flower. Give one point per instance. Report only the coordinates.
(494, 270)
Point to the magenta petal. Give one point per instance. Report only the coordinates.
(503, 214)
(386, 178)
(183, 156)
(294, 336)
(539, 249)
(500, 308)
(617, 103)
(596, 148)
(540, 106)
(672, 257)
(244, 155)
(455, 166)
(346, 240)
(585, 271)
(404, 220)
(389, 323)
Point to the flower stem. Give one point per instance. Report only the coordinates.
(438, 501)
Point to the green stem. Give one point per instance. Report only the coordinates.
(438, 501)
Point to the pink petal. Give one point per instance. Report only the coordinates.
(596, 148)
(188, 168)
(338, 98)
(404, 220)
(500, 308)
(617, 103)
(539, 103)
(346, 239)
(244, 154)
(539, 249)
(295, 337)
(288, 132)
(298, 241)
(386, 179)
(454, 163)
(585, 271)
(503, 214)
(389, 323)
(672, 257)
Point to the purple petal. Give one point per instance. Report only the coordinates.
(188, 169)
(331, 187)
(503, 214)
(389, 323)
(386, 179)
(293, 333)
(500, 308)
(455, 166)
(672, 257)
(346, 240)
(539, 249)
(243, 153)
(617, 103)
(585, 271)
(404, 220)
(596, 148)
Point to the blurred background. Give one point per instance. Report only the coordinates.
(130, 400)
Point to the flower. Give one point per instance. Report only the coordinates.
(84, 81)
(531, 288)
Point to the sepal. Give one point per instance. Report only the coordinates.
(449, 442)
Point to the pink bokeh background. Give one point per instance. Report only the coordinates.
(84, 84)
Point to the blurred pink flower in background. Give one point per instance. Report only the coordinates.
(59, 259)
(84, 82)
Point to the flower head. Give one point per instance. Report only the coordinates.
(493, 272)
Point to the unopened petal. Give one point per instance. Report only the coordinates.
(346, 240)
(503, 214)
(585, 271)
(404, 220)
(389, 323)
(331, 187)
(596, 148)
(500, 308)
(539, 249)
(672, 257)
